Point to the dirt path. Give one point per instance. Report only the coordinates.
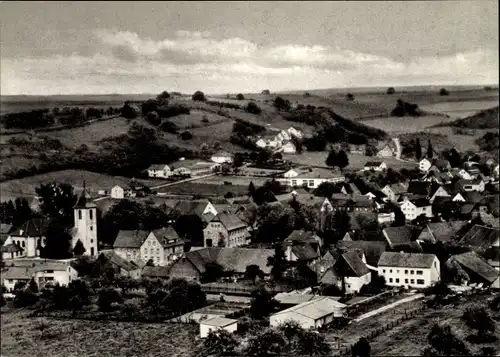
(388, 307)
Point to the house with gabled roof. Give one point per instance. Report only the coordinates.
(159, 170)
(386, 149)
(375, 166)
(222, 157)
(412, 208)
(121, 266)
(352, 271)
(441, 232)
(415, 270)
(479, 238)
(401, 236)
(371, 249)
(471, 185)
(226, 230)
(477, 269)
(302, 246)
(394, 191)
(202, 208)
(29, 237)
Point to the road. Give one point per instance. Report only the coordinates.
(388, 307)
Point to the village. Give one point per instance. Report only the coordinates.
(313, 246)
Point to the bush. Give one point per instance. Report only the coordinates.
(199, 96)
(153, 118)
(205, 119)
(350, 96)
(444, 91)
(253, 108)
(281, 104)
(186, 135)
(169, 111)
(240, 96)
(25, 298)
(391, 90)
(169, 127)
(266, 92)
(108, 296)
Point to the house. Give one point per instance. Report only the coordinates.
(193, 168)
(375, 166)
(421, 189)
(441, 232)
(394, 191)
(294, 298)
(480, 238)
(352, 271)
(5, 230)
(397, 237)
(496, 172)
(226, 230)
(340, 201)
(385, 216)
(160, 171)
(12, 251)
(303, 237)
(162, 246)
(362, 204)
(434, 175)
(222, 157)
(357, 149)
(462, 173)
(202, 208)
(192, 264)
(440, 191)
(492, 256)
(85, 224)
(302, 246)
(117, 192)
(371, 249)
(471, 185)
(311, 178)
(477, 269)
(217, 323)
(387, 149)
(415, 270)
(155, 272)
(29, 236)
(295, 132)
(440, 165)
(310, 314)
(121, 266)
(42, 271)
(413, 208)
(289, 148)
(424, 165)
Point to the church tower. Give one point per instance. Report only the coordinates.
(85, 228)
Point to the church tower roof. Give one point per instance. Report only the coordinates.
(85, 200)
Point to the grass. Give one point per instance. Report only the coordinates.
(205, 189)
(94, 182)
(21, 336)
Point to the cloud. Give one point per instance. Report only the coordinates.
(187, 61)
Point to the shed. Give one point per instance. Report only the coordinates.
(216, 323)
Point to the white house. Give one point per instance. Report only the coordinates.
(85, 226)
(352, 271)
(393, 192)
(311, 178)
(464, 174)
(415, 270)
(289, 148)
(222, 157)
(162, 171)
(310, 314)
(295, 132)
(416, 207)
(117, 192)
(424, 165)
(194, 168)
(375, 166)
(458, 198)
(440, 192)
(43, 271)
(217, 323)
(472, 185)
(26, 240)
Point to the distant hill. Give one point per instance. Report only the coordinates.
(485, 119)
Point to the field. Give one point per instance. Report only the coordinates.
(21, 336)
(94, 182)
(356, 162)
(205, 189)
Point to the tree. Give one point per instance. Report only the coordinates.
(253, 108)
(331, 159)
(219, 343)
(281, 104)
(252, 272)
(391, 90)
(266, 344)
(311, 343)
(418, 149)
(262, 304)
(213, 271)
(125, 283)
(57, 200)
(443, 342)
(199, 96)
(25, 298)
(444, 91)
(266, 92)
(342, 159)
(292, 331)
(240, 96)
(128, 112)
(299, 146)
(108, 296)
(278, 263)
(251, 189)
(79, 249)
(361, 348)
(154, 119)
(149, 106)
(350, 96)
(430, 150)
(57, 242)
(479, 319)
(162, 98)
(33, 286)
(186, 135)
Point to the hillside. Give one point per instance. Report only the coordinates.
(485, 119)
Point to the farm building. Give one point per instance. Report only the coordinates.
(117, 192)
(222, 157)
(311, 178)
(352, 271)
(477, 270)
(226, 230)
(160, 171)
(414, 270)
(310, 314)
(375, 166)
(217, 323)
(121, 266)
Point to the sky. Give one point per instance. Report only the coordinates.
(230, 47)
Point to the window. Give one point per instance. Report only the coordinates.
(92, 251)
(22, 243)
(406, 281)
(79, 214)
(383, 270)
(91, 214)
(390, 271)
(420, 281)
(397, 271)
(406, 271)
(91, 228)
(420, 272)
(311, 183)
(91, 241)
(412, 281)
(397, 280)
(390, 280)
(49, 271)
(294, 182)
(412, 272)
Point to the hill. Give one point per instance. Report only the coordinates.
(485, 119)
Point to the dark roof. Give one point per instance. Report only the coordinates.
(401, 234)
(473, 196)
(463, 182)
(155, 272)
(229, 220)
(492, 253)
(420, 202)
(350, 264)
(85, 200)
(35, 227)
(5, 228)
(11, 248)
(232, 259)
(480, 237)
(115, 259)
(373, 163)
(441, 163)
(301, 236)
(407, 260)
(362, 201)
(189, 207)
(478, 265)
(467, 208)
(441, 231)
(130, 239)
(422, 188)
(164, 235)
(305, 252)
(157, 167)
(372, 249)
(397, 188)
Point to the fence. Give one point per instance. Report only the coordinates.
(230, 288)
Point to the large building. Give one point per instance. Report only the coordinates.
(226, 230)
(416, 270)
(85, 226)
